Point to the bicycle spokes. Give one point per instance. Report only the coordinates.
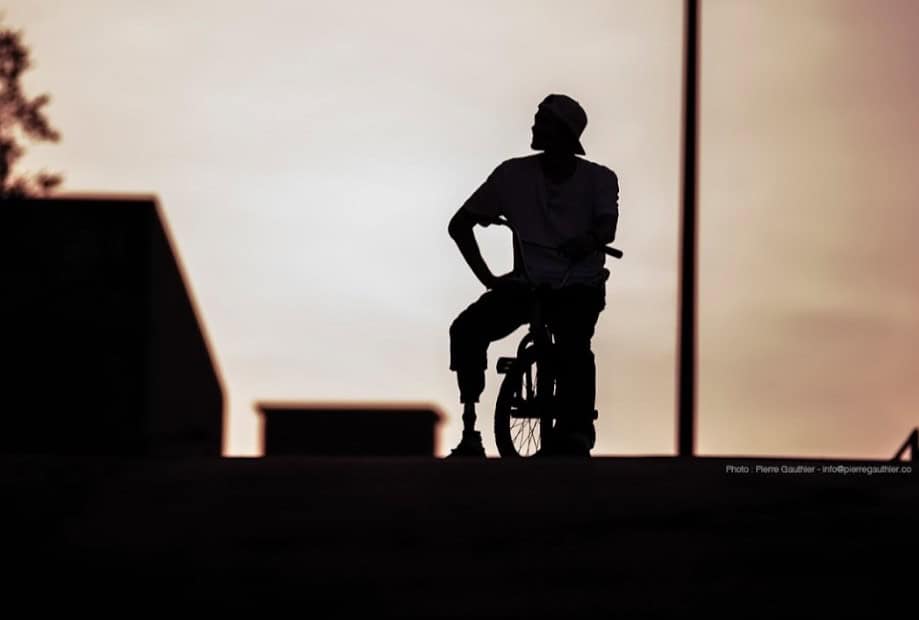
(526, 435)
(525, 407)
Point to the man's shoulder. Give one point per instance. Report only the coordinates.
(599, 169)
(513, 171)
(516, 164)
(528, 164)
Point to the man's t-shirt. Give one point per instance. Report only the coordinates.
(547, 214)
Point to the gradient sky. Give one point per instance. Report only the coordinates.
(308, 156)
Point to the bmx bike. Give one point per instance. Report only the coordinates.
(526, 410)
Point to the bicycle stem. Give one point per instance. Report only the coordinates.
(500, 221)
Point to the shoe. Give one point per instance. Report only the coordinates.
(574, 437)
(572, 444)
(565, 445)
(469, 446)
(564, 441)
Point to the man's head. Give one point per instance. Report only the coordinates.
(558, 125)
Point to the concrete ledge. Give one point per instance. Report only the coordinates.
(434, 538)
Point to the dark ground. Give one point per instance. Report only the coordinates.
(432, 538)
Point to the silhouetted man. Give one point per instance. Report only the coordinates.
(553, 200)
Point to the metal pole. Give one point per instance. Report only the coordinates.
(686, 373)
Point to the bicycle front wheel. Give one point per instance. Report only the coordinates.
(521, 423)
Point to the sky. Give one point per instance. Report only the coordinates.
(308, 156)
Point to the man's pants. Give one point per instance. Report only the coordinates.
(571, 314)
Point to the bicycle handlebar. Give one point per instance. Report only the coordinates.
(611, 251)
(607, 249)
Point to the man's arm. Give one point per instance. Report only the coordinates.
(601, 233)
(606, 218)
(460, 230)
(604, 230)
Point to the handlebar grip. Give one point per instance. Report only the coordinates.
(614, 252)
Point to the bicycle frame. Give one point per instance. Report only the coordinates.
(500, 221)
(535, 353)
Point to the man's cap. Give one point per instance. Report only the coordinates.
(570, 113)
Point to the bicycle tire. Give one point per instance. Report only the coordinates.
(519, 436)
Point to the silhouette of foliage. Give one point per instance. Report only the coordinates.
(20, 118)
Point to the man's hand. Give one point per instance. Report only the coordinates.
(460, 230)
(501, 282)
(579, 247)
